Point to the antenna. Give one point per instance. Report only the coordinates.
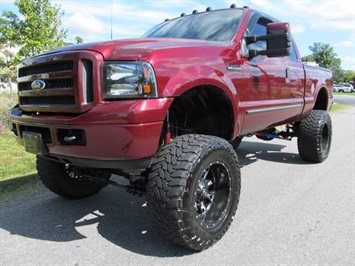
(111, 17)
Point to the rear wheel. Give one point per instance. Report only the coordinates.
(193, 190)
(315, 136)
(64, 180)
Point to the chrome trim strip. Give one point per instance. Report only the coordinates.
(270, 109)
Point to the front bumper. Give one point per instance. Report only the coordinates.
(120, 135)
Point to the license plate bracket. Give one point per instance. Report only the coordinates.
(33, 142)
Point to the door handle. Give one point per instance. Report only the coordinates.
(288, 75)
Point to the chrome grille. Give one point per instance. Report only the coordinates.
(68, 82)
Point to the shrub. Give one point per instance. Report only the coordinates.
(7, 101)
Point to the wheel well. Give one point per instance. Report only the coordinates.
(322, 100)
(202, 110)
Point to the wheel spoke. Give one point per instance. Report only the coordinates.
(210, 184)
(213, 179)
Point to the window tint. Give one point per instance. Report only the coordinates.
(293, 55)
(258, 29)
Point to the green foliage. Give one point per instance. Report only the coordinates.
(14, 161)
(324, 55)
(78, 39)
(17, 168)
(338, 72)
(308, 58)
(339, 108)
(7, 101)
(39, 30)
(349, 76)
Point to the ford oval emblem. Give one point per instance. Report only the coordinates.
(38, 85)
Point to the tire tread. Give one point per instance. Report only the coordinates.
(167, 182)
(309, 146)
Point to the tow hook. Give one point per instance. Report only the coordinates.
(69, 138)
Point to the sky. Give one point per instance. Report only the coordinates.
(325, 21)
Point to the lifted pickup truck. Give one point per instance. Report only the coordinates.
(167, 112)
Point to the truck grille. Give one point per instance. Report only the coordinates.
(48, 100)
(68, 82)
(46, 68)
(50, 84)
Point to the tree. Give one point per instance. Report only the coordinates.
(39, 31)
(8, 27)
(338, 72)
(6, 73)
(324, 56)
(307, 58)
(78, 39)
(349, 76)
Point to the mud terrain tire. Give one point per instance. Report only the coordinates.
(58, 178)
(193, 190)
(315, 137)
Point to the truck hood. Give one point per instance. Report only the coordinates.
(133, 49)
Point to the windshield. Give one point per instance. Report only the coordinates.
(220, 25)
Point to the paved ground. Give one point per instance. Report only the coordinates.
(344, 99)
(290, 212)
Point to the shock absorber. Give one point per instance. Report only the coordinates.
(167, 139)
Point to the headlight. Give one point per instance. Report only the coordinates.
(128, 80)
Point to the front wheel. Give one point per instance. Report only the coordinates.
(315, 137)
(64, 180)
(193, 190)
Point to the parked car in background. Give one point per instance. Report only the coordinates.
(343, 88)
(352, 84)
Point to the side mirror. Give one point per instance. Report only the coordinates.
(278, 41)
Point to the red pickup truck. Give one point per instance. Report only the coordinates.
(168, 110)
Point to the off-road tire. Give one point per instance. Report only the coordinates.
(193, 190)
(315, 137)
(56, 178)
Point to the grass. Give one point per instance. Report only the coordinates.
(17, 168)
(339, 107)
(14, 161)
(344, 93)
(17, 186)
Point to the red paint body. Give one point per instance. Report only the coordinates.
(128, 130)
